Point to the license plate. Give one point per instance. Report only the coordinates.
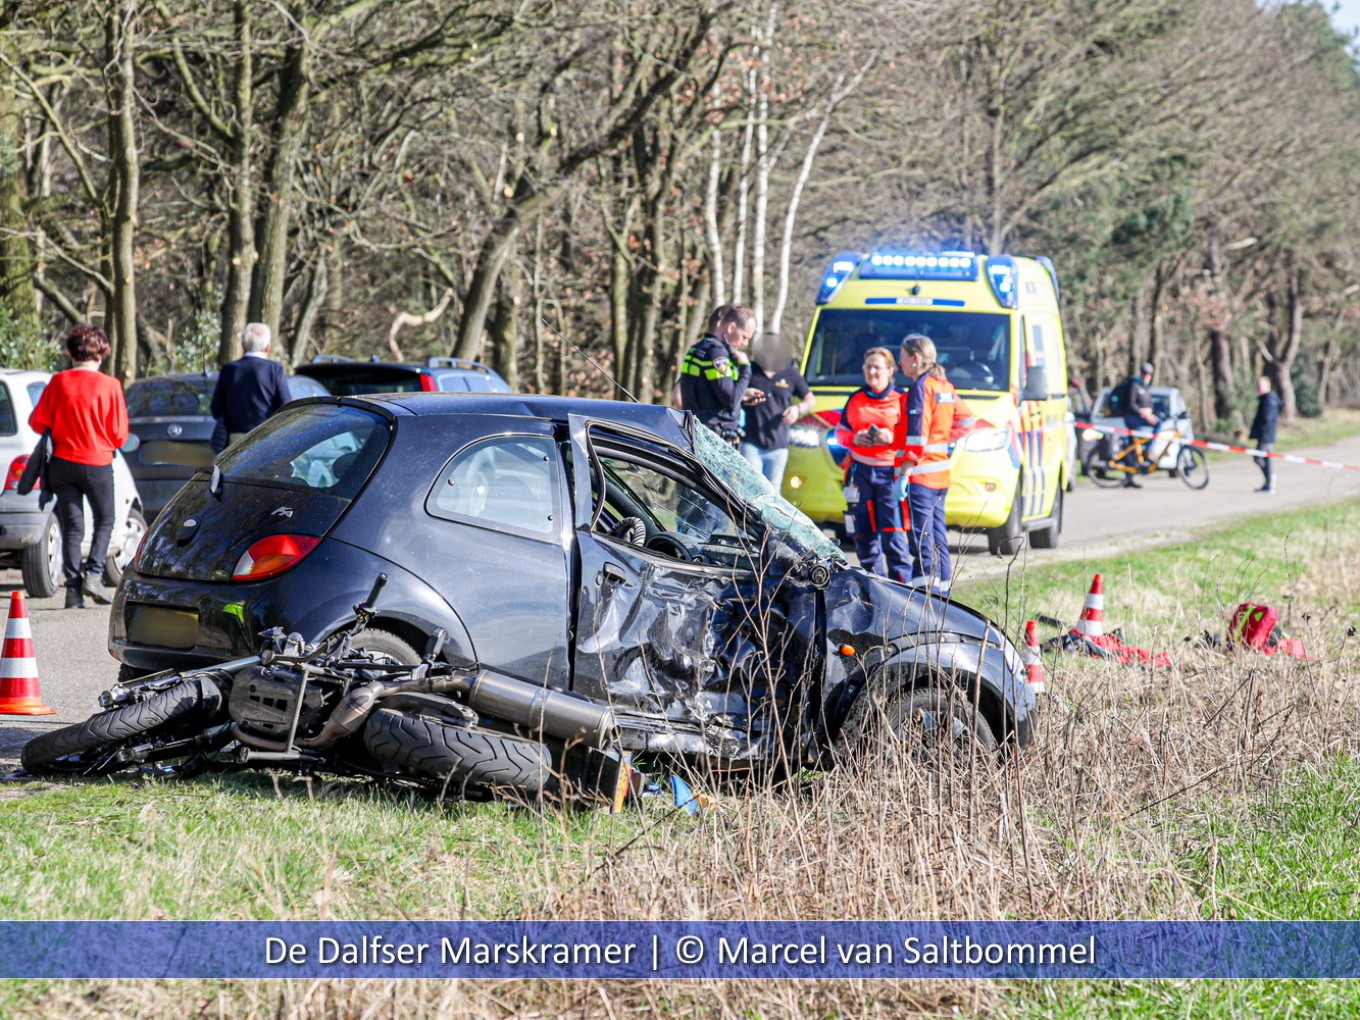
(164, 451)
(159, 625)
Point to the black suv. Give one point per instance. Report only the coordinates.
(347, 377)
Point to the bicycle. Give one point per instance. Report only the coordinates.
(1192, 467)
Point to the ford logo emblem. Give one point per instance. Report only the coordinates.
(174, 430)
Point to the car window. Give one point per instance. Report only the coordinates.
(328, 448)
(973, 347)
(167, 398)
(35, 391)
(508, 483)
(9, 424)
(364, 379)
(300, 386)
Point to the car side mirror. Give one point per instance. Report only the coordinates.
(133, 442)
(1036, 384)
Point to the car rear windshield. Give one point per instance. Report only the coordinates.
(322, 447)
(170, 398)
(973, 347)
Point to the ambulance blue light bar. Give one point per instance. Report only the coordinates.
(1002, 275)
(842, 266)
(944, 265)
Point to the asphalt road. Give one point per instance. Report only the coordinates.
(74, 664)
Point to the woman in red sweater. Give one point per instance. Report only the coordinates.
(85, 412)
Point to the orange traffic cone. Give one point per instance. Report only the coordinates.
(19, 694)
(1029, 655)
(1092, 622)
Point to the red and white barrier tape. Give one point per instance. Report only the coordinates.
(1225, 448)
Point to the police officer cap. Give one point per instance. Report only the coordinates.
(1145, 368)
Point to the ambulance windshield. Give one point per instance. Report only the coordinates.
(974, 347)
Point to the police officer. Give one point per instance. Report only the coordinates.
(931, 406)
(716, 372)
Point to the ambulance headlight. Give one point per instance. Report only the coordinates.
(986, 440)
(1091, 435)
(806, 436)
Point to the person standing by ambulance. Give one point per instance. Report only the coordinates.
(871, 428)
(928, 412)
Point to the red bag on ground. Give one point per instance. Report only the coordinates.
(1254, 625)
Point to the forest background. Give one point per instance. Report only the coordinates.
(525, 181)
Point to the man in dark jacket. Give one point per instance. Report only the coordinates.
(249, 389)
(1263, 429)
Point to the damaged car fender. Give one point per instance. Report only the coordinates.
(899, 638)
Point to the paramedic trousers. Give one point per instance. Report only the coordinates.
(876, 522)
(928, 537)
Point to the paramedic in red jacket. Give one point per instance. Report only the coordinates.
(930, 405)
(871, 429)
(84, 410)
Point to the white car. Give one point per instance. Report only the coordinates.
(30, 539)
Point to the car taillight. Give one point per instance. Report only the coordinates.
(429, 384)
(273, 555)
(16, 471)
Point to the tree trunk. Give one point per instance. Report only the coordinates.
(16, 253)
(743, 198)
(318, 282)
(266, 295)
(711, 232)
(1220, 353)
(764, 167)
(240, 200)
(124, 181)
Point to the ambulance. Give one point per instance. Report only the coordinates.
(996, 326)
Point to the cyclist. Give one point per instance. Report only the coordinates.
(1135, 398)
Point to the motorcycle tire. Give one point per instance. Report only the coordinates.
(88, 748)
(462, 756)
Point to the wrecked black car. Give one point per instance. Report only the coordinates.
(614, 553)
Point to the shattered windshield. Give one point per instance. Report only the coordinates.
(774, 510)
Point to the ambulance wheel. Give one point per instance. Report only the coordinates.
(1006, 539)
(1048, 537)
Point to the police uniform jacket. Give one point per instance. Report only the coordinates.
(712, 384)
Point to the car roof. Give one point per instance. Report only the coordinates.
(177, 377)
(666, 422)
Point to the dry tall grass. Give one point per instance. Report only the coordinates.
(1093, 821)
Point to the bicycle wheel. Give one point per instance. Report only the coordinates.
(1100, 471)
(1193, 467)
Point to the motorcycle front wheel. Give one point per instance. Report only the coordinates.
(91, 748)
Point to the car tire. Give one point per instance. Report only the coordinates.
(121, 552)
(937, 726)
(88, 748)
(1049, 537)
(41, 562)
(386, 643)
(1009, 536)
(460, 756)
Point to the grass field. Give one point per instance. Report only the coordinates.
(1221, 788)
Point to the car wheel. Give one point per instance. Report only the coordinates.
(123, 547)
(1048, 538)
(1006, 539)
(937, 727)
(41, 562)
(387, 644)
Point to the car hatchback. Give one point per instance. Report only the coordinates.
(614, 551)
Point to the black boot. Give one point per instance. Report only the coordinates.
(92, 584)
(75, 599)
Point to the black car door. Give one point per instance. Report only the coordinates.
(678, 614)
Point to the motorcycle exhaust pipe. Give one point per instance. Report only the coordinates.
(539, 708)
